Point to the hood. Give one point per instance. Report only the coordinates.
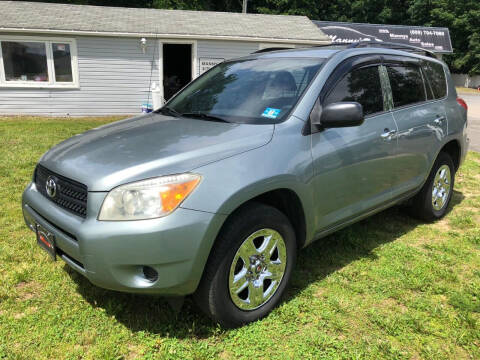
(149, 146)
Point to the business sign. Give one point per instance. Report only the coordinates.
(206, 64)
(428, 38)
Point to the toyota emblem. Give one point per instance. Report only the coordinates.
(51, 187)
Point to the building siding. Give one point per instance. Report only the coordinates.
(228, 49)
(225, 49)
(115, 78)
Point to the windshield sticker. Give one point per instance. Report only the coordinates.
(271, 113)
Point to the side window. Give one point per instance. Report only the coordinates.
(407, 85)
(436, 78)
(361, 85)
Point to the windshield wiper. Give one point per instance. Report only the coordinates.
(205, 116)
(169, 111)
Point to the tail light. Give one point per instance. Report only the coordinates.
(462, 103)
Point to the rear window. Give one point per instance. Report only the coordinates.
(362, 86)
(407, 85)
(435, 78)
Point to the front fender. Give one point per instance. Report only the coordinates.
(229, 183)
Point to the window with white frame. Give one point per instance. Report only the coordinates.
(32, 62)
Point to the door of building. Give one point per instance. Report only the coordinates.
(177, 68)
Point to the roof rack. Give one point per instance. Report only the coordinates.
(331, 46)
(270, 49)
(362, 44)
(390, 45)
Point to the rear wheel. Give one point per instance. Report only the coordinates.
(432, 201)
(249, 267)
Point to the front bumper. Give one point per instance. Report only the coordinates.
(112, 254)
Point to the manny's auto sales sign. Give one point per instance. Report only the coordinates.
(429, 38)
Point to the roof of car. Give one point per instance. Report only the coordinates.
(330, 50)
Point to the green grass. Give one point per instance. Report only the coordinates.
(388, 287)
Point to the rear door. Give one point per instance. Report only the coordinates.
(420, 119)
(353, 167)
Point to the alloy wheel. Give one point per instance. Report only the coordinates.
(441, 187)
(257, 269)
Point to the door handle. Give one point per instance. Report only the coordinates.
(439, 120)
(388, 134)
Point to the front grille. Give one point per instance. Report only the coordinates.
(70, 195)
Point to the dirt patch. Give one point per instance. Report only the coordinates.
(461, 353)
(21, 285)
(470, 209)
(415, 356)
(134, 352)
(422, 243)
(391, 303)
(28, 290)
(88, 338)
(320, 292)
(443, 225)
(27, 312)
(225, 355)
(476, 219)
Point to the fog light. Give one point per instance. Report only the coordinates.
(150, 273)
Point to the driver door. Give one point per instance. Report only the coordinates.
(353, 167)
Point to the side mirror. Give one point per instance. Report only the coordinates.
(341, 114)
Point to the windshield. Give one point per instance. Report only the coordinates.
(254, 91)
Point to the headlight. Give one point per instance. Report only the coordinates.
(147, 199)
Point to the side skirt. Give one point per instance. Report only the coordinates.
(404, 198)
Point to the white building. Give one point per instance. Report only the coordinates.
(59, 59)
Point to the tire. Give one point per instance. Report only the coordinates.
(219, 294)
(422, 205)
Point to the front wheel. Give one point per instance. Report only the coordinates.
(432, 201)
(249, 266)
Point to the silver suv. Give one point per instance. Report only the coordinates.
(214, 194)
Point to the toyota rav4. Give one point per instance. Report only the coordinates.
(215, 193)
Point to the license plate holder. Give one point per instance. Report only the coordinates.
(46, 240)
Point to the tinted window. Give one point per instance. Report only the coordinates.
(360, 85)
(248, 91)
(407, 85)
(436, 78)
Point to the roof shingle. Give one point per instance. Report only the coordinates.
(19, 15)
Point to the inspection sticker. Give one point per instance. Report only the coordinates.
(271, 113)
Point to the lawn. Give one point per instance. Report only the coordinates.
(389, 287)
